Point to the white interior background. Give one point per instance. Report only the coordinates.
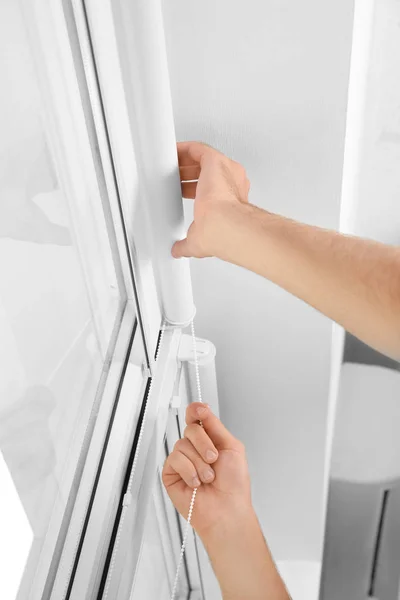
(266, 83)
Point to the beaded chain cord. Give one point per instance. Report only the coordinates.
(187, 528)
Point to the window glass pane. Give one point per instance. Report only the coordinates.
(61, 304)
(153, 561)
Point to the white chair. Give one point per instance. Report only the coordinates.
(366, 445)
(365, 470)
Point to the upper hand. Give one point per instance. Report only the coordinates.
(218, 185)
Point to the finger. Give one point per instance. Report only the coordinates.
(203, 470)
(201, 442)
(189, 173)
(180, 249)
(189, 190)
(180, 464)
(192, 153)
(220, 436)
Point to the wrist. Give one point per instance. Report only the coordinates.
(234, 222)
(241, 558)
(230, 525)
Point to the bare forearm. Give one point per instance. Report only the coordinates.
(353, 281)
(242, 562)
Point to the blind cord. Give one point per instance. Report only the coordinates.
(187, 527)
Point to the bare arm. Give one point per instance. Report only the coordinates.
(223, 514)
(243, 563)
(353, 281)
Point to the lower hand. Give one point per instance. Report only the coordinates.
(223, 495)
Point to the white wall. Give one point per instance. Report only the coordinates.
(370, 208)
(266, 82)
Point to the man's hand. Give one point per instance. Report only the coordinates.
(213, 460)
(223, 515)
(218, 185)
(353, 281)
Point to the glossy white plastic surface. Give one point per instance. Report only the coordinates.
(144, 71)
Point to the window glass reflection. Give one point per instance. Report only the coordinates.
(61, 303)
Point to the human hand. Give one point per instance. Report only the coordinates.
(219, 186)
(223, 497)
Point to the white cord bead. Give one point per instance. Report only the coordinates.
(187, 528)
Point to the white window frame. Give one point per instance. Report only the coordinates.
(73, 121)
(96, 506)
(74, 561)
(168, 379)
(119, 143)
(119, 162)
(146, 473)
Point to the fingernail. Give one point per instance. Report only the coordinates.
(201, 410)
(208, 475)
(211, 455)
(196, 481)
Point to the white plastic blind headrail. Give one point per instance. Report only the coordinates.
(144, 72)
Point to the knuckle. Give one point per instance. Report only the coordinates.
(240, 447)
(191, 431)
(209, 146)
(191, 409)
(171, 459)
(220, 161)
(239, 168)
(180, 445)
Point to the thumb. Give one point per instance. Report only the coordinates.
(180, 249)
